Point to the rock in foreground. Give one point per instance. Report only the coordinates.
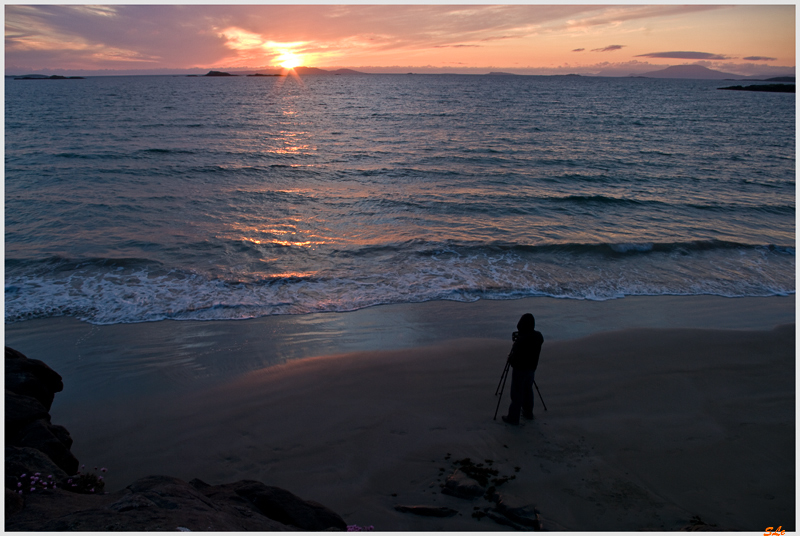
(163, 503)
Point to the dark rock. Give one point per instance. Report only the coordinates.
(460, 485)
(518, 511)
(429, 511)
(132, 501)
(28, 461)
(166, 491)
(15, 502)
(698, 525)
(43, 436)
(502, 520)
(154, 503)
(218, 73)
(196, 483)
(31, 377)
(22, 410)
(30, 388)
(286, 507)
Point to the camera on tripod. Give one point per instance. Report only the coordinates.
(514, 336)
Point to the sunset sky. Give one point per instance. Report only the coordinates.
(527, 39)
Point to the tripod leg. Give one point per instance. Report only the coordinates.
(503, 375)
(540, 395)
(503, 381)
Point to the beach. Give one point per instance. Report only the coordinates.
(661, 411)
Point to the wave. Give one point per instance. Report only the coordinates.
(125, 290)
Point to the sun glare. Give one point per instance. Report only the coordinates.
(290, 60)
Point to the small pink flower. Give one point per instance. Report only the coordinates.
(33, 489)
(37, 474)
(49, 476)
(23, 475)
(20, 492)
(92, 490)
(69, 481)
(104, 469)
(19, 484)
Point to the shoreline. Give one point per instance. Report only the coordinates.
(647, 426)
(170, 354)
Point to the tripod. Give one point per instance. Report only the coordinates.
(502, 385)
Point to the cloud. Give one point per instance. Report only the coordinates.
(609, 48)
(759, 58)
(685, 55)
(197, 36)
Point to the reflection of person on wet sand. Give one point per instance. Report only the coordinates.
(524, 358)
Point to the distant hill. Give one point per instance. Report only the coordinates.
(690, 71)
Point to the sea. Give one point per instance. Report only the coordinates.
(143, 198)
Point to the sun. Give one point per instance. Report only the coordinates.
(290, 60)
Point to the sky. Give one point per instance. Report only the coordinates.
(616, 40)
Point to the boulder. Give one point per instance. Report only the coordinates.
(520, 512)
(52, 440)
(30, 388)
(460, 485)
(31, 377)
(277, 504)
(22, 410)
(28, 461)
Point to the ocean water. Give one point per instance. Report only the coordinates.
(132, 199)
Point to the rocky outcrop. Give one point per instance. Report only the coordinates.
(45, 492)
(30, 388)
(31, 377)
(163, 503)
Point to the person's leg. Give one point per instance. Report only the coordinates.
(528, 400)
(517, 384)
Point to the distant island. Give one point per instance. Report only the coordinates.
(689, 71)
(771, 88)
(303, 71)
(44, 77)
(699, 72)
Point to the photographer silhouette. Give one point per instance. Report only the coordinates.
(523, 359)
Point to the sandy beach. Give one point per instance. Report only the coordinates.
(660, 411)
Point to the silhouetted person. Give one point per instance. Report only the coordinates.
(524, 358)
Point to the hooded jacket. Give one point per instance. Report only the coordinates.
(526, 349)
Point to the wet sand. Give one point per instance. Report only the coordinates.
(645, 428)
